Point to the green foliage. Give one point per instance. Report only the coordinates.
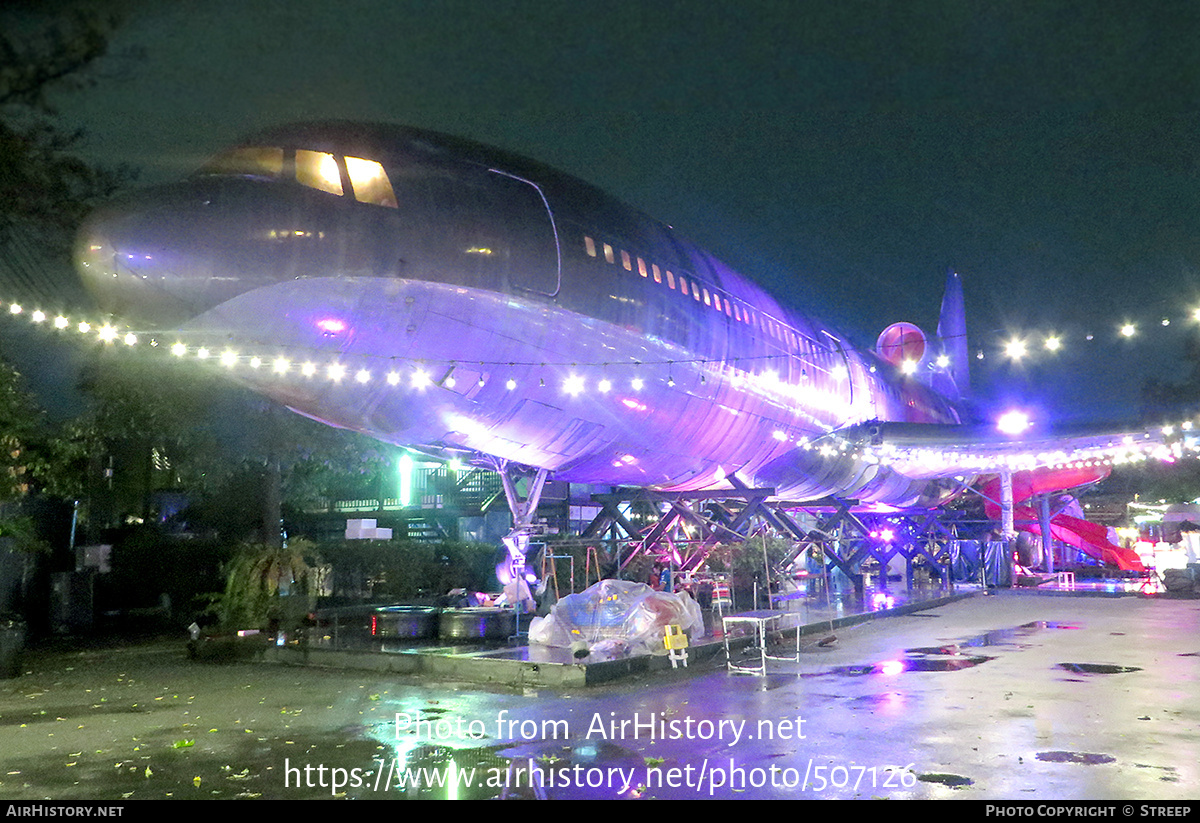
(745, 560)
(21, 423)
(41, 180)
(408, 570)
(265, 585)
(21, 533)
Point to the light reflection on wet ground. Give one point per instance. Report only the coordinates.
(1009, 727)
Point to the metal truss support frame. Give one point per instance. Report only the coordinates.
(843, 537)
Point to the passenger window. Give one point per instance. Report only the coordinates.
(608, 253)
(370, 182)
(625, 261)
(589, 246)
(671, 279)
(641, 267)
(318, 170)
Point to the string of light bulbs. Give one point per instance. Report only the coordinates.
(1170, 442)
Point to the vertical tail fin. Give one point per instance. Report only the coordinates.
(955, 379)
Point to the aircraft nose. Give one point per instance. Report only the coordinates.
(128, 258)
(155, 258)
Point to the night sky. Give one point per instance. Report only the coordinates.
(842, 154)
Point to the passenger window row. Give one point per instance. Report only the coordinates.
(687, 285)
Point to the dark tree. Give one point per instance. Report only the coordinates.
(42, 181)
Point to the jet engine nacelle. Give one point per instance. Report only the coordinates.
(901, 342)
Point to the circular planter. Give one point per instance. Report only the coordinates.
(478, 623)
(411, 622)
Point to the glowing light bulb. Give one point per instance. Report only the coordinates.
(308, 369)
(202, 353)
(1128, 330)
(573, 384)
(393, 378)
(1053, 344)
(131, 339)
(229, 359)
(15, 308)
(362, 376)
(908, 366)
(943, 361)
(510, 384)
(255, 362)
(1015, 349)
(61, 322)
(107, 333)
(280, 365)
(39, 316)
(335, 372)
(604, 386)
(420, 379)
(1013, 422)
(179, 349)
(84, 327)
(637, 383)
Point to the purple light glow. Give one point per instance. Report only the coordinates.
(331, 325)
(1013, 422)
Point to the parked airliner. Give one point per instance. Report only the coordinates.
(462, 301)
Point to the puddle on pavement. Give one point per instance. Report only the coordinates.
(913, 664)
(953, 657)
(1097, 668)
(442, 772)
(1170, 773)
(954, 781)
(927, 650)
(1009, 637)
(1084, 758)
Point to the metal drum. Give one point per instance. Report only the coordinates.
(477, 623)
(412, 622)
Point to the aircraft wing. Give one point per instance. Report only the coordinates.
(939, 450)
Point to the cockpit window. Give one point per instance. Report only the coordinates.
(250, 161)
(318, 170)
(370, 182)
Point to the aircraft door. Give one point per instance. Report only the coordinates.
(534, 255)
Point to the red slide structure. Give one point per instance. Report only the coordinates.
(1090, 538)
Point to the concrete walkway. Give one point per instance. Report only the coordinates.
(1015, 695)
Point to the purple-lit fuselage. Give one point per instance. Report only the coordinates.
(481, 303)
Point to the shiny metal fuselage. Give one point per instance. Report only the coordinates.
(504, 309)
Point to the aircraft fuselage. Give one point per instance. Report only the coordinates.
(457, 299)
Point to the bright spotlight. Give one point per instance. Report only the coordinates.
(1015, 349)
(1013, 422)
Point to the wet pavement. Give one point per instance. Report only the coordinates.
(1015, 695)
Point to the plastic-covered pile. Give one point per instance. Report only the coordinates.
(616, 617)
